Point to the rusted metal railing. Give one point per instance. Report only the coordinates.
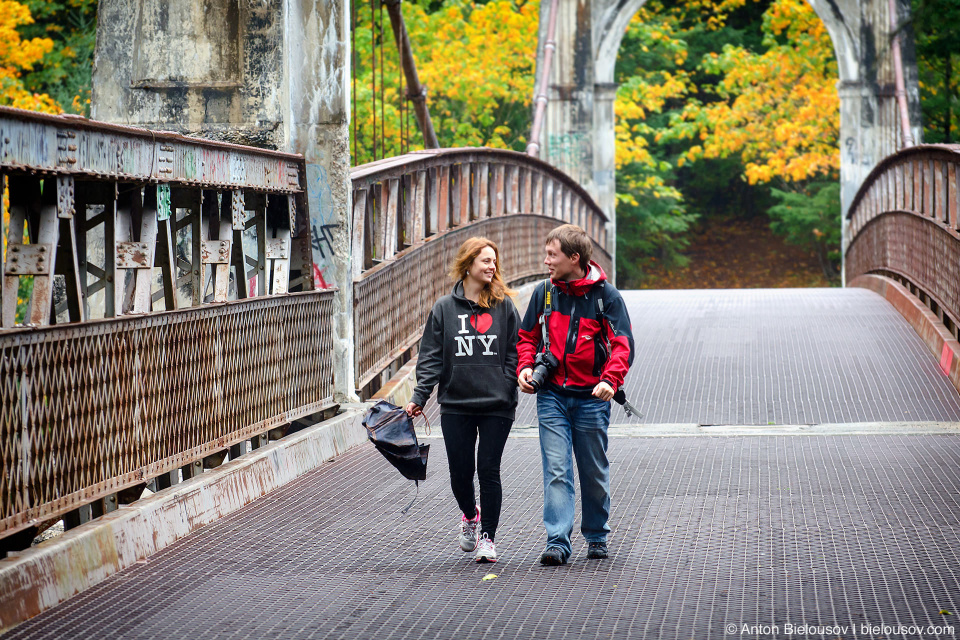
(90, 410)
(158, 327)
(904, 224)
(411, 213)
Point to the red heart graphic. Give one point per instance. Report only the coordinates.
(481, 322)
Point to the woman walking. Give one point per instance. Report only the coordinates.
(469, 348)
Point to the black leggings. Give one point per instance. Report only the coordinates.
(460, 437)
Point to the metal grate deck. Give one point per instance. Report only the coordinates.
(775, 356)
(707, 532)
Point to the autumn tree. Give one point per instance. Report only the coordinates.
(476, 60)
(779, 109)
(66, 71)
(743, 109)
(658, 198)
(19, 55)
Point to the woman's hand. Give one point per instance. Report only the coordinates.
(414, 410)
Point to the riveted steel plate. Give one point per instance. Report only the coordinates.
(215, 252)
(65, 197)
(29, 260)
(133, 255)
(277, 249)
(40, 142)
(237, 210)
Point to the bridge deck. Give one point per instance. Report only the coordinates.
(776, 356)
(847, 530)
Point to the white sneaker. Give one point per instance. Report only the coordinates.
(469, 531)
(486, 551)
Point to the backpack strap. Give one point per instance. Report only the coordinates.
(599, 316)
(548, 295)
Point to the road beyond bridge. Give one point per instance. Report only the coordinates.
(851, 527)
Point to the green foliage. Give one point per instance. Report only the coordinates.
(659, 71)
(937, 40)
(810, 218)
(66, 73)
(24, 293)
(719, 100)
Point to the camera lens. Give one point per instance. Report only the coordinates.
(539, 376)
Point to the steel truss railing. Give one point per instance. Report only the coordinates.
(411, 213)
(160, 329)
(904, 223)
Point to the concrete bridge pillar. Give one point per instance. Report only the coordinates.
(272, 74)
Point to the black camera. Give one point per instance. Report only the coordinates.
(543, 366)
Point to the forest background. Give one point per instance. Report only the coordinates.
(727, 115)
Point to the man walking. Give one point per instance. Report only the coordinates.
(581, 320)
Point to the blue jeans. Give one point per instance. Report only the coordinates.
(577, 426)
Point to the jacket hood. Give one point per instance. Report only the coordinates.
(581, 286)
(458, 294)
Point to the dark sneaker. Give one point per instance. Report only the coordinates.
(597, 550)
(552, 557)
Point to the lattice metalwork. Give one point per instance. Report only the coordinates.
(89, 409)
(165, 262)
(904, 223)
(401, 202)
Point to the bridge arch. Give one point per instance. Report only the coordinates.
(583, 89)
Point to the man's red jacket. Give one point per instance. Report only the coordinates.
(591, 345)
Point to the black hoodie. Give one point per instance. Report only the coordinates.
(472, 353)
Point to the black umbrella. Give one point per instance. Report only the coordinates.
(391, 431)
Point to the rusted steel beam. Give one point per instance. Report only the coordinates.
(69, 145)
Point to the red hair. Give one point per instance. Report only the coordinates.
(493, 292)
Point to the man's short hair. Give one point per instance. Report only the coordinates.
(573, 240)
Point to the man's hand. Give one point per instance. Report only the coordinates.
(414, 410)
(603, 391)
(525, 377)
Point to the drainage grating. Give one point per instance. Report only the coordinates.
(764, 531)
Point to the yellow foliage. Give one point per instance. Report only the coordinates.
(477, 63)
(782, 113)
(17, 55)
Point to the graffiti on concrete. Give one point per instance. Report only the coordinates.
(321, 239)
(323, 224)
(569, 151)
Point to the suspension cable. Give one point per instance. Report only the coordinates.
(383, 79)
(353, 73)
(373, 73)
